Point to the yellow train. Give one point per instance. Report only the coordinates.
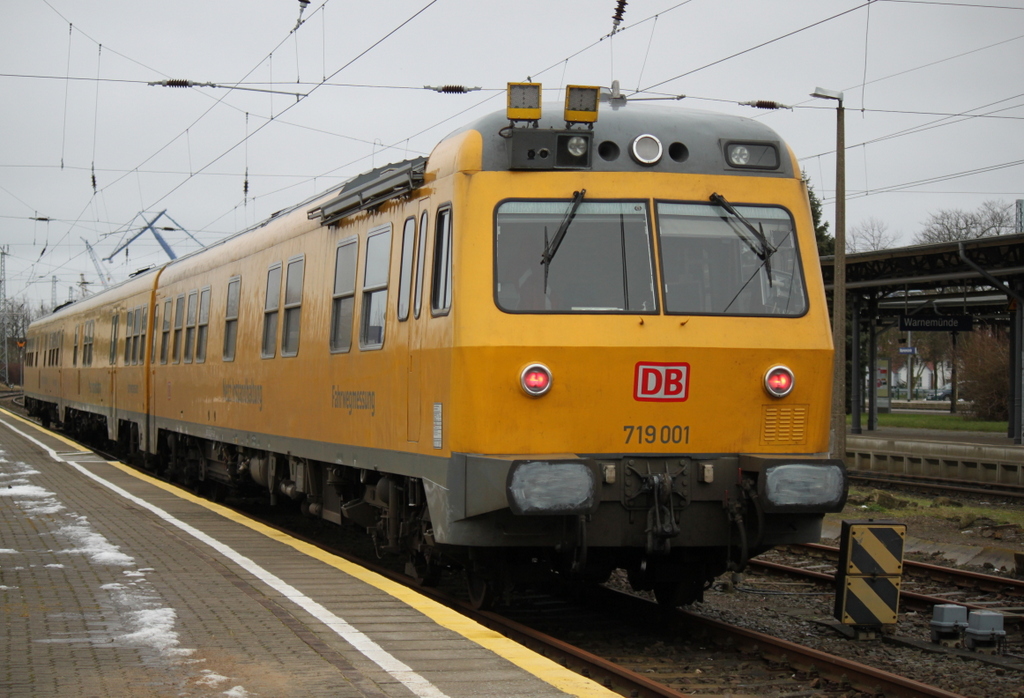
(558, 343)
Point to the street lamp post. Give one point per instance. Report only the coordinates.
(839, 283)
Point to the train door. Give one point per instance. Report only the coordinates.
(74, 365)
(115, 321)
(415, 334)
(61, 375)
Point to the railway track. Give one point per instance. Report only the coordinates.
(1011, 591)
(939, 484)
(666, 654)
(680, 652)
(639, 649)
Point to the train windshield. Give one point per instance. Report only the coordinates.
(603, 264)
(710, 266)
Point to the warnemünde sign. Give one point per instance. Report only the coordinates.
(936, 323)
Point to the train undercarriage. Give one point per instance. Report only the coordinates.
(666, 520)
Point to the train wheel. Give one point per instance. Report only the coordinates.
(668, 593)
(421, 570)
(481, 592)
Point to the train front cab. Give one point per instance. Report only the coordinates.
(657, 443)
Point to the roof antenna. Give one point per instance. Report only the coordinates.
(613, 96)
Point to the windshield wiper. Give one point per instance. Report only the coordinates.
(766, 250)
(551, 248)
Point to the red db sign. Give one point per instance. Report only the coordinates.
(661, 382)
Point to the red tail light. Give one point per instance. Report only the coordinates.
(535, 379)
(778, 381)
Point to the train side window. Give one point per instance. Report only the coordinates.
(114, 338)
(156, 327)
(166, 337)
(405, 275)
(343, 298)
(179, 321)
(270, 310)
(375, 288)
(190, 325)
(203, 329)
(139, 343)
(441, 283)
(87, 342)
(292, 307)
(74, 349)
(231, 318)
(135, 336)
(129, 324)
(421, 246)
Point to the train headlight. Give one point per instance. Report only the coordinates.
(535, 380)
(739, 156)
(573, 151)
(577, 146)
(581, 103)
(523, 101)
(646, 149)
(778, 381)
(541, 488)
(755, 156)
(793, 487)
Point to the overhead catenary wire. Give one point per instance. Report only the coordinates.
(169, 143)
(67, 87)
(931, 180)
(96, 116)
(277, 118)
(315, 87)
(758, 46)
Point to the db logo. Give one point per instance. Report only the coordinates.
(660, 382)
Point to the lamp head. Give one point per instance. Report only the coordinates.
(822, 93)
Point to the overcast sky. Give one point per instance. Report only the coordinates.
(934, 93)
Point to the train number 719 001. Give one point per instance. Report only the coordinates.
(650, 434)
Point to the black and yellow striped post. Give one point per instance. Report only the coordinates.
(869, 572)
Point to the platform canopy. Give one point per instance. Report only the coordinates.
(981, 278)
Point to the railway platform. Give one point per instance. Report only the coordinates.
(981, 438)
(115, 584)
(982, 457)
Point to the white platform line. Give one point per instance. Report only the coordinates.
(370, 649)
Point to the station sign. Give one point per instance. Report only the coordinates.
(908, 350)
(930, 322)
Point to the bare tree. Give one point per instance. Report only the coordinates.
(984, 361)
(949, 225)
(871, 234)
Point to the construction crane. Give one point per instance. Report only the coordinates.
(104, 278)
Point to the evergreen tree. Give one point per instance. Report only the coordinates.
(826, 243)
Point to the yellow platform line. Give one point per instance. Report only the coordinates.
(543, 668)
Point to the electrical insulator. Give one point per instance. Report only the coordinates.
(451, 89)
(765, 104)
(620, 10)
